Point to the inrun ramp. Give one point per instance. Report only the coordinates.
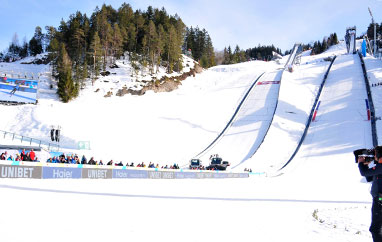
(246, 131)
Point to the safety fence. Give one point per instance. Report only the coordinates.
(232, 118)
(20, 139)
(312, 114)
(369, 102)
(50, 171)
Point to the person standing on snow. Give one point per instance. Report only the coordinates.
(32, 155)
(373, 169)
(57, 135)
(52, 134)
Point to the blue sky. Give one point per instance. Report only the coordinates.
(243, 22)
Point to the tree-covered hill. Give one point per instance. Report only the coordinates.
(82, 46)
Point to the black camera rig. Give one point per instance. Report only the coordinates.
(368, 154)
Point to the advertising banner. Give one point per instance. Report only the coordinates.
(233, 175)
(9, 171)
(161, 174)
(94, 173)
(220, 175)
(204, 175)
(243, 175)
(186, 175)
(118, 174)
(48, 172)
(61, 173)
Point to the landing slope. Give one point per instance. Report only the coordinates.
(297, 95)
(251, 123)
(342, 123)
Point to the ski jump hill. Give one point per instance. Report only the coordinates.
(252, 119)
(332, 92)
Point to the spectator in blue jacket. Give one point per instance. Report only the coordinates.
(84, 161)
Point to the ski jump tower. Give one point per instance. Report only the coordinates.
(294, 57)
(350, 39)
(297, 60)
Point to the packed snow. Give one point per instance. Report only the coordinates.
(319, 196)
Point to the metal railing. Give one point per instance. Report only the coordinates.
(20, 139)
(310, 118)
(370, 100)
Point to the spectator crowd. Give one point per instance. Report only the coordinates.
(74, 159)
(23, 156)
(376, 84)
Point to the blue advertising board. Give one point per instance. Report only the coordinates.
(61, 173)
(186, 175)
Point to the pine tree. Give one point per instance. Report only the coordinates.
(210, 52)
(67, 89)
(259, 57)
(140, 31)
(171, 45)
(242, 56)
(84, 73)
(53, 48)
(24, 48)
(324, 46)
(335, 39)
(95, 53)
(125, 15)
(152, 39)
(225, 56)
(229, 51)
(319, 47)
(14, 48)
(117, 41)
(35, 44)
(132, 38)
(236, 55)
(105, 33)
(160, 45)
(78, 44)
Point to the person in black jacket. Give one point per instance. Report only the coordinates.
(52, 134)
(373, 168)
(84, 161)
(57, 135)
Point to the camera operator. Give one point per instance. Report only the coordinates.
(370, 166)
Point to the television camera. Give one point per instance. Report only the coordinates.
(368, 154)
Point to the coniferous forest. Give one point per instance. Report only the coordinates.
(83, 46)
(319, 47)
(257, 53)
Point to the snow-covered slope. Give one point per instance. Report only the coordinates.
(132, 128)
(320, 197)
(297, 94)
(245, 134)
